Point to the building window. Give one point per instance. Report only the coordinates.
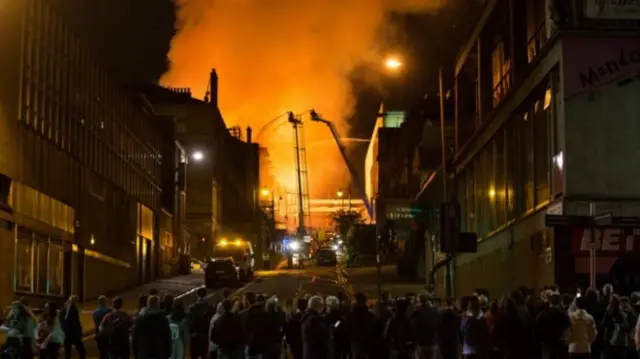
(536, 27)
(510, 170)
(525, 160)
(500, 195)
(501, 73)
(542, 155)
(24, 261)
(39, 264)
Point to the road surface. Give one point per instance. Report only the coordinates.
(285, 284)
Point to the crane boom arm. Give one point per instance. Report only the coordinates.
(354, 174)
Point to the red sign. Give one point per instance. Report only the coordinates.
(608, 241)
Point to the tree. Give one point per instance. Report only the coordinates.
(343, 220)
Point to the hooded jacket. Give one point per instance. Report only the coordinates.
(316, 336)
(151, 336)
(582, 332)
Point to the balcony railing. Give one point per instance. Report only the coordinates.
(536, 42)
(501, 89)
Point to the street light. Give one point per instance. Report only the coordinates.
(340, 194)
(265, 192)
(393, 63)
(197, 156)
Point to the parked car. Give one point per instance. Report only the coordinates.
(221, 272)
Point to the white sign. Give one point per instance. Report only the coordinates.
(612, 9)
(609, 240)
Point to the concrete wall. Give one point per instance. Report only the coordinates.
(105, 277)
(7, 245)
(601, 118)
(507, 260)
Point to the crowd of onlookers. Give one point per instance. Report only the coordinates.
(517, 326)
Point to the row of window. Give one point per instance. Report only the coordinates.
(39, 263)
(68, 100)
(511, 175)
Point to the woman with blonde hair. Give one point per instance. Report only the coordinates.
(49, 335)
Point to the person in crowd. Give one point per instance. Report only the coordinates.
(213, 347)
(179, 325)
(582, 332)
(167, 304)
(151, 336)
(293, 329)
(426, 321)
(153, 291)
(361, 326)
(19, 329)
(474, 331)
(398, 332)
(597, 310)
(567, 301)
(72, 327)
(551, 326)
(115, 329)
(449, 330)
(142, 306)
(274, 329)
(49, 335)
(316, 335)
(98, 315)
(616, 330)
(254, 319)
(228, 333)
(200, 315)
(491, 316)
(336, 321)
(632, 319)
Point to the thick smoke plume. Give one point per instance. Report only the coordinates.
(274, 56)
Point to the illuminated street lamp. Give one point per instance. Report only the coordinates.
(265, 192)
(340, 194)
(393, 63)
(197, 156)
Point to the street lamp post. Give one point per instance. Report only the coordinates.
(266, 193)
(340, 195)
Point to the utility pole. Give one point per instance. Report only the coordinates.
(296, 123)
(443, 138)
(592, 249)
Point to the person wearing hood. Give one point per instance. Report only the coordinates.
(316, 335)
(361, 328)
(228, 333)
(616, 330)
(151, 336)
(20, 328)
(551, 325)
(275, 321)
(582, 332)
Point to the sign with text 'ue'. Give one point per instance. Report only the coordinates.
(612, 9)
(611, 241)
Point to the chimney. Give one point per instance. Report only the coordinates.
(213, 88)
(249, 131)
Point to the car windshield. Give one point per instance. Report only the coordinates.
(326, 253)
(238, 254)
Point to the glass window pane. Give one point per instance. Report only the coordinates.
(542, 157)
(56, 269)
(42, 265)
(526, 160)
(510, 171)
(24, 252)
(500, 185)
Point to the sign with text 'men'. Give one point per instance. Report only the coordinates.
(589, 63)
(612, 9)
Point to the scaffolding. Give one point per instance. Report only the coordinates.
(302, 200)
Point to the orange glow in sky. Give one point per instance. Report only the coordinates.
(274, 56)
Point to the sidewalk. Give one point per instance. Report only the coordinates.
(178, 286)
(365, 280)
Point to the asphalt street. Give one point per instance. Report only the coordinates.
(285, 284)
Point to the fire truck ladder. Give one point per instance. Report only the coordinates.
(301, 173)
(359, 185)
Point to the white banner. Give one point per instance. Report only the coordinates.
(612, 9)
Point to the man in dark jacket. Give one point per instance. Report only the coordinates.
(316, 335)
(551, 325)
(426, 325)
(254, 320)
(449, 330)
(72, 327)
(293, 329)
(361, 326)
(151, 337)
(200, 314)
(228, 333)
